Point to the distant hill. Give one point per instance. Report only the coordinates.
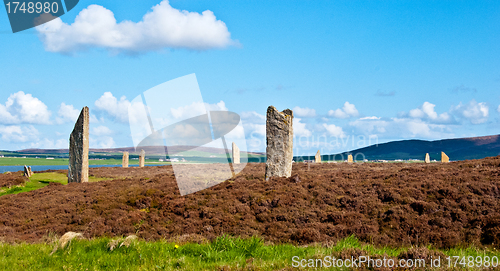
(456, 149)
(155, 150)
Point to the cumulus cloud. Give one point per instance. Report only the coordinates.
(117, 109)
(16, 134)
(401, 128)
(254, 123)
(50, 144)
(473, 111)
(304, 112)
(347, 111)
(24, 108)
(67, 113)
(334, 130)
(196, 109)
(162, 27)
(101, 131)
(103, 142)
(299, 128)
(426, 111)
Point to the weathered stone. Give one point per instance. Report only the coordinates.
(27, 171)
(317, 158)
(142, 156)
(236, 154)
(349, 159)
(78, 170)
(279, 139)
(125, 159)
(427, 158)
(444, 158)
(31, 172)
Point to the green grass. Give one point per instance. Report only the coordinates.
(39, 180)
(228, 252)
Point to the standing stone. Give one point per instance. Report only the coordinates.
(317, 158)
(236, 154)
(349, 159)
(125, 159)
(444, 158)
(142, 156)
(427, 158)
(279, 139)
(78, 171)
(27, 172)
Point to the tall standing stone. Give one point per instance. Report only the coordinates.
(444, 158)
(142, 156)
(279, 139)
(78, 171)
(317, 158)
(125, 159)
(427, 158)
(349, 159)
(236, 154)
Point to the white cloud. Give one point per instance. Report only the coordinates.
(370, 118)
(67, 113)
(15, 133)
(426, 111)
(498, 109)
(253, 117)
(196, 109)
(254, 125)
(101, 131)
(304, 112)
(118, 109)
(370, 125)
(50, 144)
(299, 129)
(347, 111)
(474, 112)
(334, 130)
(401, 128)
(24, 108)
(163, 27)
(104, 142)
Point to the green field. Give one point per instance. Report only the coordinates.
(223, 253)
(39, 180)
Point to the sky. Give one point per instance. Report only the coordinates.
(355, 73)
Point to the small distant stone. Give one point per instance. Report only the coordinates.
(349, 159)
(317, 158)
(444, 158)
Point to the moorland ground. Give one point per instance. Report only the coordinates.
(394, 204)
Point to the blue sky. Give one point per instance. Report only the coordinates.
(350, 70)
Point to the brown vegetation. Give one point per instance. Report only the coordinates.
(384, 204)
(9, 179)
